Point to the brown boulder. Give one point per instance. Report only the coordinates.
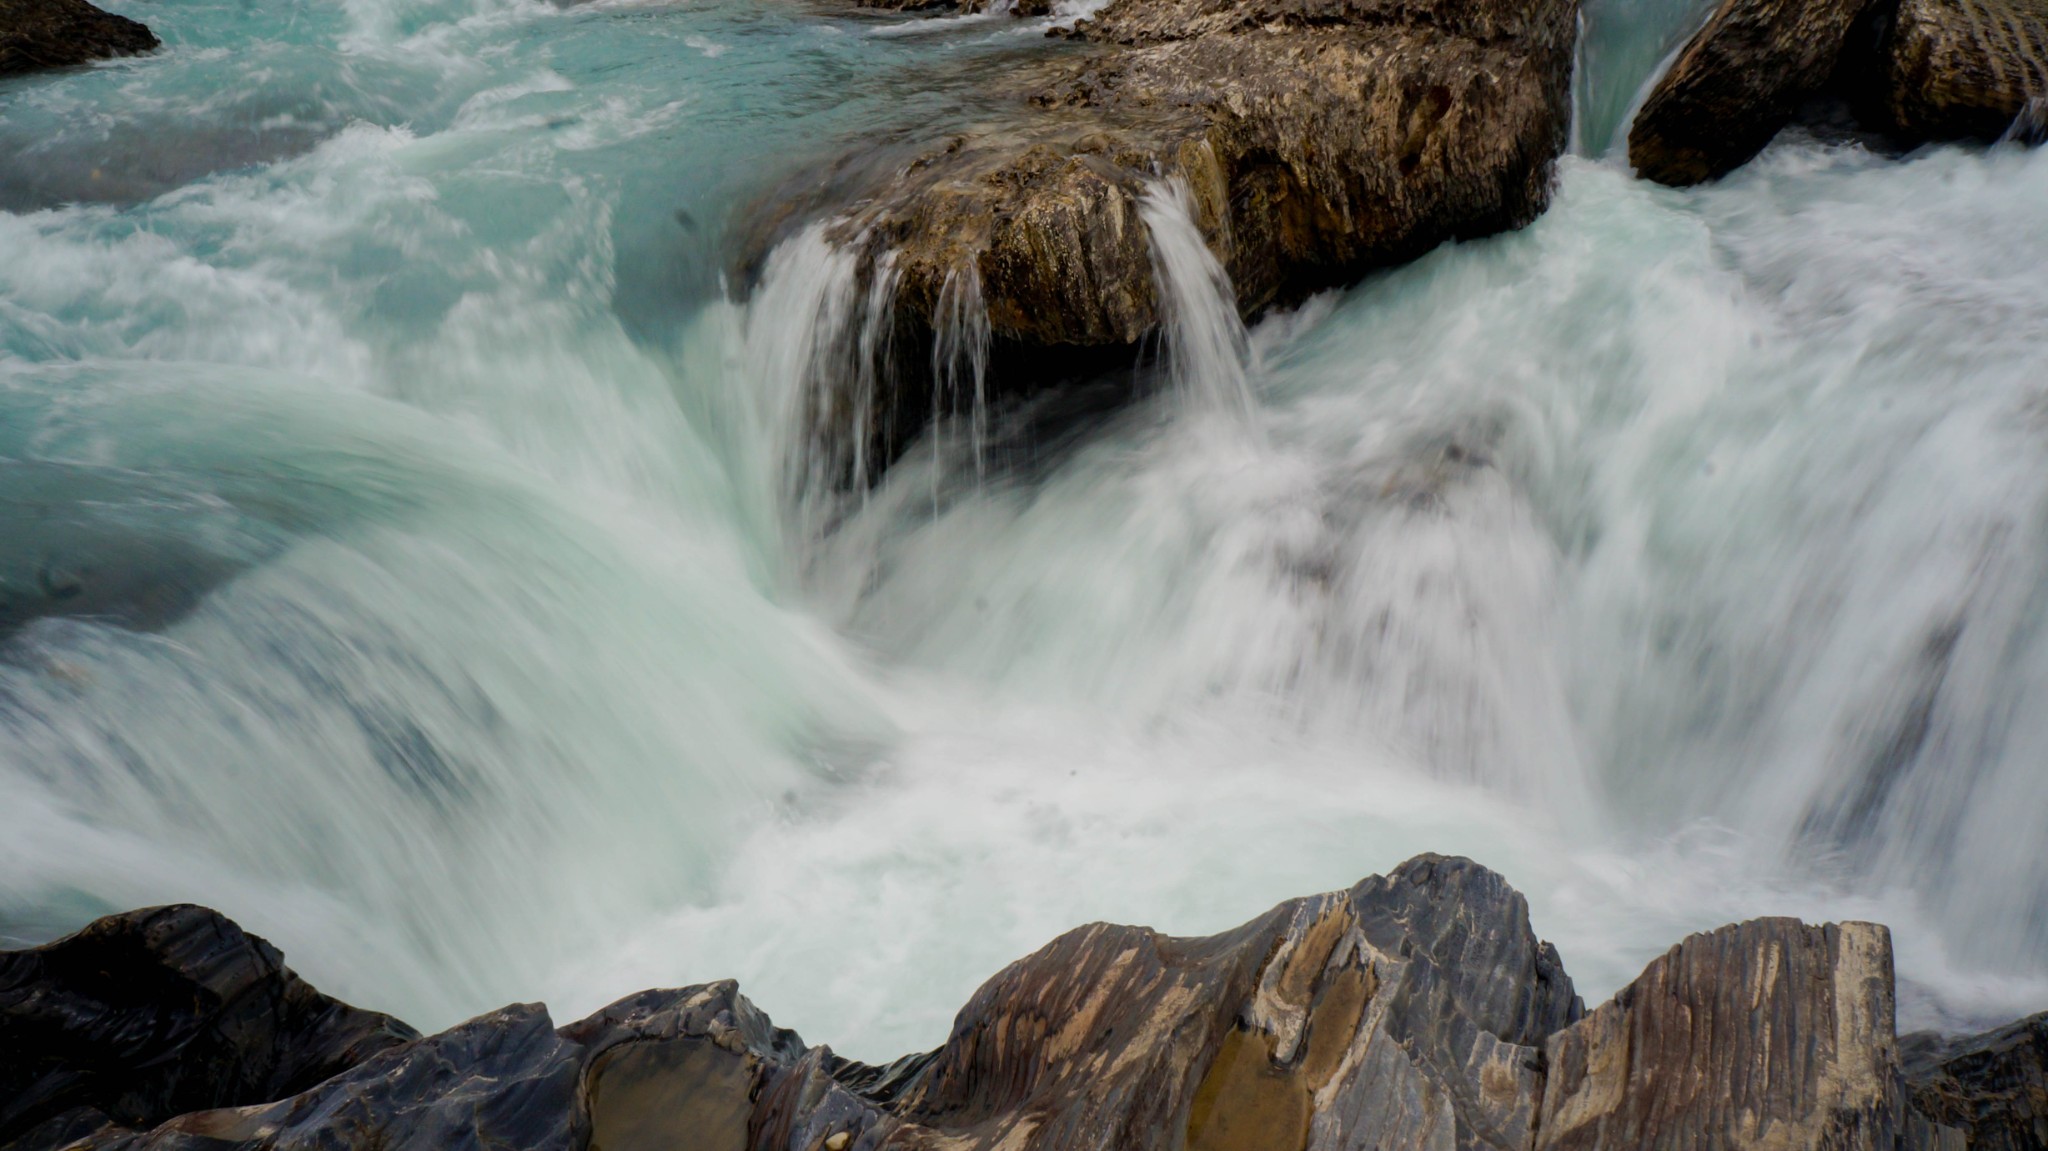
(1956, 69)
(1736, 82)
(37, 34)
(1316, 139)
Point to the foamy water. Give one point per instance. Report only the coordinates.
(479, 624)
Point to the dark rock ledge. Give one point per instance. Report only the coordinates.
(37, 34)
(1416, 1010)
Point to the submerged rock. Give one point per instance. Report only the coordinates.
(1306, 140)
(1957, 69)
(37, 34)
(1416, 1010)
(1735, 84)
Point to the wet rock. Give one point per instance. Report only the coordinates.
(37, 34)
(1735, 84)
(1956, 69)
(1313, 140)
(154, 1013)
(1993, 1088)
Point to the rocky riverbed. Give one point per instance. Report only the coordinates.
(1416, 1010)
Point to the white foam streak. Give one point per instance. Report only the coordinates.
(1206, 348)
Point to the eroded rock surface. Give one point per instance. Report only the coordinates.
(1416, 1010)
(1956, 69)
(1314, 139)
(1735, 84)
(37, 34)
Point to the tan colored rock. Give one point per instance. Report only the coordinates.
(1735, 84)
(1956, 69)
(1769, 1034)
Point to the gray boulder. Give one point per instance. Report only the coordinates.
(154, 1013)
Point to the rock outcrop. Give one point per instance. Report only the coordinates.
(1416, 1010)
(1735, 84)
(1993, 1088)
(151, 1014)
(1769, 1033)
(1914, 69)
(1312, 140)
(1956, 69)
(37, 34)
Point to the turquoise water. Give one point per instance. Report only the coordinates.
(401, 554)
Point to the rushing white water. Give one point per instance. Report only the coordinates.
(410, 549)
(1206, 344)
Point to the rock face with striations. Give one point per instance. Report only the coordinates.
(1416, 1010)
(36, 34)
(1736, 82)
(1769, 1033)
(1955, 69)
(1314, 139)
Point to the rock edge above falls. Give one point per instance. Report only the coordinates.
(1416, 1010)
(40, 34)
(1305, 141)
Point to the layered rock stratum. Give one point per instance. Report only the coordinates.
(1416, 1010)
(38, 34)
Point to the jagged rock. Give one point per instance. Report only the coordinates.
(1769, 1033)
(1405, 1011)
(36, 34)
(1316, 139)
(1991, 1087)
(1956, 69)
(154, 1013)
(1416, 1010)
(1735, 84)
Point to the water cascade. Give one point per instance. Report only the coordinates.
(471, 594)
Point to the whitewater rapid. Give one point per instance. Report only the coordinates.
(472, 614)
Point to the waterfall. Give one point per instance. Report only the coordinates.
(412, 550)
(1207, 350)
(960, 344)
